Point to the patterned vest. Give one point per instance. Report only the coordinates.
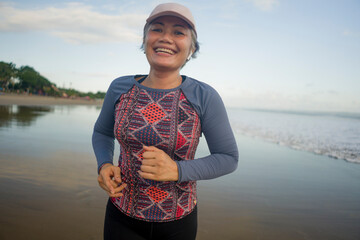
(166, 120)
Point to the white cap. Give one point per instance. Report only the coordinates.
(172, 9)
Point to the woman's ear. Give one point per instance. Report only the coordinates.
(191, 53)
(188, 58)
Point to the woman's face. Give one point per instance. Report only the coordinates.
(168, 43)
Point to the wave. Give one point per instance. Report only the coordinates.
(352, 115)
(336, 135)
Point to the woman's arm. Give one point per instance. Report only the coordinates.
(103, 135)
(221, 142)
(109, 177)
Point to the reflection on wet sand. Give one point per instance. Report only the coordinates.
(48, 191)
(21, 115)
(51, 198)
(48, 187)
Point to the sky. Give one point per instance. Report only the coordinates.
(269, 54)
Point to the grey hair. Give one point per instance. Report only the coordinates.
(194, 42)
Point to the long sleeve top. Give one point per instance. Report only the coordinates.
(172, 120)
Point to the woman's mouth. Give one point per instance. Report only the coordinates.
(164, 50)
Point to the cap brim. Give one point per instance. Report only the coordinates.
(170, 13)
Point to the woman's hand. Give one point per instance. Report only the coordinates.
(110, 179)
(158, 166)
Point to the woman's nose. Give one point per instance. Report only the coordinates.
(166, 37)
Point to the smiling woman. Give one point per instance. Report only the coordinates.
(179, 30)
(158, 119)
(167, 46)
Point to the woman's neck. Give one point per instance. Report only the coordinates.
(162, 80)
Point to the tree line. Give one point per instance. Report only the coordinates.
(26, 79)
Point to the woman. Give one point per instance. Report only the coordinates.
(158, 119)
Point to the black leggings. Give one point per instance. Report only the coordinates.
(122, 227)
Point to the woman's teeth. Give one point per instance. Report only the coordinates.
(165, 50)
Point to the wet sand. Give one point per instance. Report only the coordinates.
(52, 198)
(48, 187)
(34, 100)
(57, 197)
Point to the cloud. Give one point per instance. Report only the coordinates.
(75, 23)
(265, 5)
(333, 92)
(350, 33)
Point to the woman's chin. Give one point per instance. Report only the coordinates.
(165, 66)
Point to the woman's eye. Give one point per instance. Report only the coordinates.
(179, 33)
(156, 30)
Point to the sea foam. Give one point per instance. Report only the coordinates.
(336, 135)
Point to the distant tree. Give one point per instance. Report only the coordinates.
(32, 80)
(100, 95)
(8, 71)
(28, 79)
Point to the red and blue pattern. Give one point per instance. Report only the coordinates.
(167, 121)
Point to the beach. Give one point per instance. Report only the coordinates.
(48, 187)
(36, 100)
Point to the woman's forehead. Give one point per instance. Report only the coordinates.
(170, 20)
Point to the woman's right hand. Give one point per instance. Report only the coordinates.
(110, 180)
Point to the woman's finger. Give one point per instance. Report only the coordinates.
(115, 195)
(146, 175)
(147, 169)
(114, 184)
(149, 162)
(149, 155)
(103, 186)
(120, 188)
(117, 174)
(117, 191)
(108, 183)
(102, 183)
(150, 148)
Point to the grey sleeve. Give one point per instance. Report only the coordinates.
(221, 142)
(103, 135)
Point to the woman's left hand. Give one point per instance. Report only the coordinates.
(158, 166)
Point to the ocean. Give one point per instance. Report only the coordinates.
(332, 134)
(336, 135)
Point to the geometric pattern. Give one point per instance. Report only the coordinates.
(180, 141)
(156, 194)
(148, 136)
(155, 211)
(180, 211)
(153, 113)
(182, 116)
(166, 120)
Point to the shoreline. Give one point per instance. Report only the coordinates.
(36, 100)
(282, 197)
